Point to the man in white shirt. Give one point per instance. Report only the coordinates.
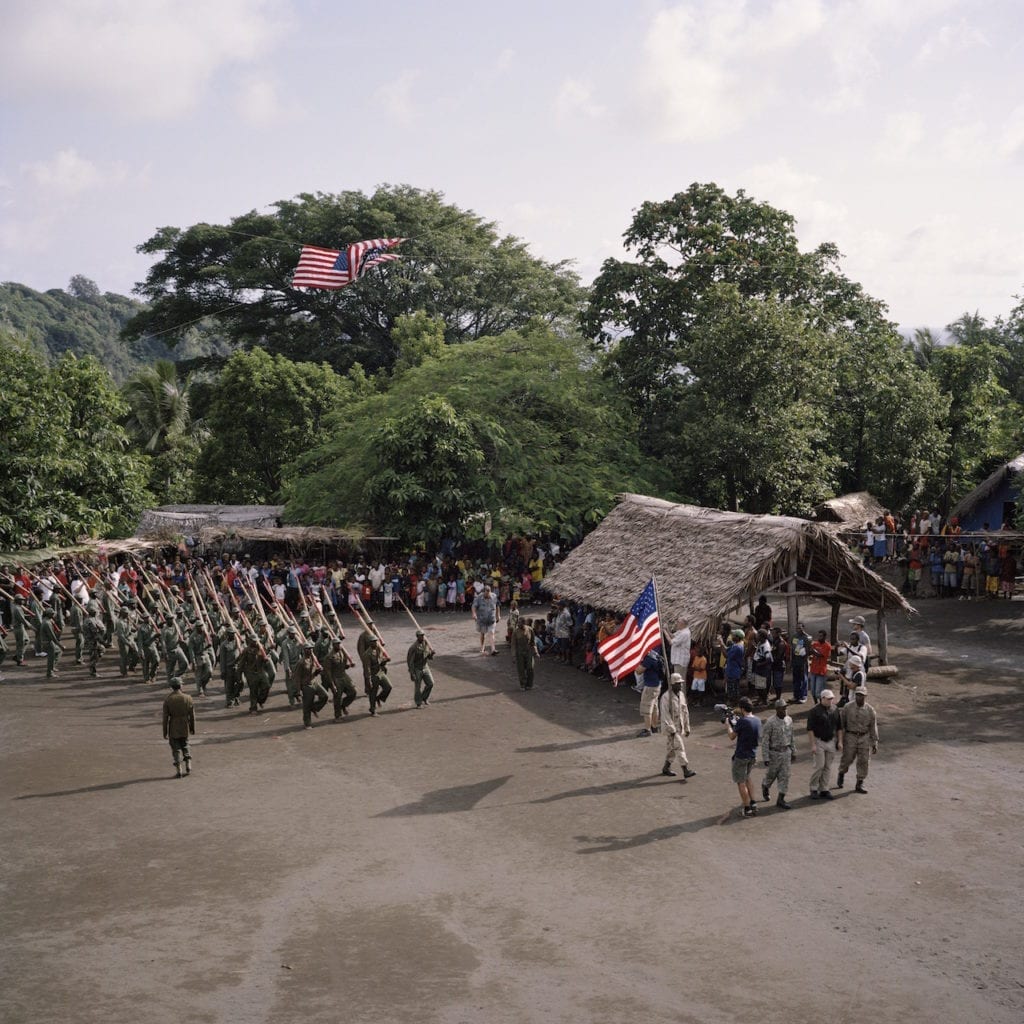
(679, 653)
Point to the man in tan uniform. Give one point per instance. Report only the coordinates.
(675, 718)
(860, 738)
(179, 724)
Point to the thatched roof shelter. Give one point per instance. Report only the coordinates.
(179, 520)
(974, 504)
(850, 511)
(708, 563)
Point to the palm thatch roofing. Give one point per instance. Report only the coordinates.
(850, 511)
(707, 563)
(87, 548)
(966, 505)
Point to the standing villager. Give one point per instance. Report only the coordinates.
(679, 650)
(675, 718)
(525, 652)
(778, 752)
(860, 738)
(825, 728)
(800, 653)
(486, 617)
(179, 724)
(418, 661)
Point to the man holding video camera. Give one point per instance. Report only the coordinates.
(745, 729)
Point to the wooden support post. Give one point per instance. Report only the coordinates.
(834, 626)
(792, 601)
(883, 638)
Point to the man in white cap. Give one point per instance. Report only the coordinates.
(825, 729)
(675, 718)
(863, 639)
(860, 735)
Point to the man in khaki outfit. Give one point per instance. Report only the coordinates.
(179, 724)
(860, 738)
(675, 718)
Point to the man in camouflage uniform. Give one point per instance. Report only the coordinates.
(177, 659)
(148, 641)
(418, 660)
(251, 666)
(778, 751)
(376, 664)
(76, 619)
(228, 657)
(339, 682)
(291, 654)
(179, 723)
(860, 738)
(362, 651)
(525, 653)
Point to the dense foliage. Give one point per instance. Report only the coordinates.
(516, 432)
(66, 468)
(450, 393)
(454, 266)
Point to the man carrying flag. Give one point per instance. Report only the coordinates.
(336, 268)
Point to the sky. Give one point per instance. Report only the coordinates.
(893, 128)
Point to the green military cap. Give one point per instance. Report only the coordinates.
(176, 683)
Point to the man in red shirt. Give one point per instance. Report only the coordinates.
(821, 651)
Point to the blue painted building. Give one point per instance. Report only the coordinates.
(996, 500)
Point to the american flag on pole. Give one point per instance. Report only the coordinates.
(335, 268)
(640, 633)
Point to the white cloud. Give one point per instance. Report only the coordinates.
(704, 70)
(949, 40)
(143, 58)
(506, 59)
(67, 173)
(576, 99)
(902, 137)
(396, 96)
(1011, 136)
(259, 104)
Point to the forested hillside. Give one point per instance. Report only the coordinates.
(85, 321)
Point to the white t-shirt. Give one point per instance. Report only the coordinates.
(679, 652)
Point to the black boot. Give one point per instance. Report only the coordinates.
(859, 788)
(839, 780)
(764, 792)
(781, 802)
(688, 772)
(667, 770)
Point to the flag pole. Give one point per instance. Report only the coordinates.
(667, 668)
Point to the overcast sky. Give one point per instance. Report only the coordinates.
(894, 128)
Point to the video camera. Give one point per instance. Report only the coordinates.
(727, 714)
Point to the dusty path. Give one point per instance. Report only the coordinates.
(515, 857)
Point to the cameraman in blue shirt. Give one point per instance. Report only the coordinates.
(746, 731)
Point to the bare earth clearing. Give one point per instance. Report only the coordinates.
(508, 856)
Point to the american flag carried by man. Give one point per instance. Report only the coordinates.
(639, 634)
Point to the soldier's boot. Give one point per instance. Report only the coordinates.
(188, 765)
(688, 772)
(839, 780)
(764, 792)
(781, 802)
(859, 788)
(667, 769)
(177, 770)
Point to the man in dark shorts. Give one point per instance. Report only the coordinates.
(746, 731)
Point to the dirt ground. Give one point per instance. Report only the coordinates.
(510, 857)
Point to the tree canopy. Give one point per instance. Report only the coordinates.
(454, 266)
(66, 468)
(519, 431)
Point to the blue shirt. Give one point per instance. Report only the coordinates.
(654, 668)
(734, 661)
(748, 736)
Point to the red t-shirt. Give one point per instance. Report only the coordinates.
(821, 650)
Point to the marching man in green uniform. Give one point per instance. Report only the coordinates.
(19, 627)
(525, 653)
(291, 655)
(376, 665)
(92, 635)
(304, 675)
(179, 724)
(418, 658)
(76, 619)
(336, 672)
(127, 649)
(50, 636)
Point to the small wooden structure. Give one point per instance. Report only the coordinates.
(709, 563)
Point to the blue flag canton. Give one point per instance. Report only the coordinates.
(644, 607)
(370, 254)
(341, 263)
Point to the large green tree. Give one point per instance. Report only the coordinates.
(66, 468)
(454, 266)
(519, 431)
(264, 412)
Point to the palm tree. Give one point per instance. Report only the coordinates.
(922, 346)
(159, 406)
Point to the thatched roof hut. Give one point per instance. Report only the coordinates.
(990, 501)
(708, 563)
(177, 520)
(850, 511)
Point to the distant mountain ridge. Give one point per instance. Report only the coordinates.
(85, 321)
